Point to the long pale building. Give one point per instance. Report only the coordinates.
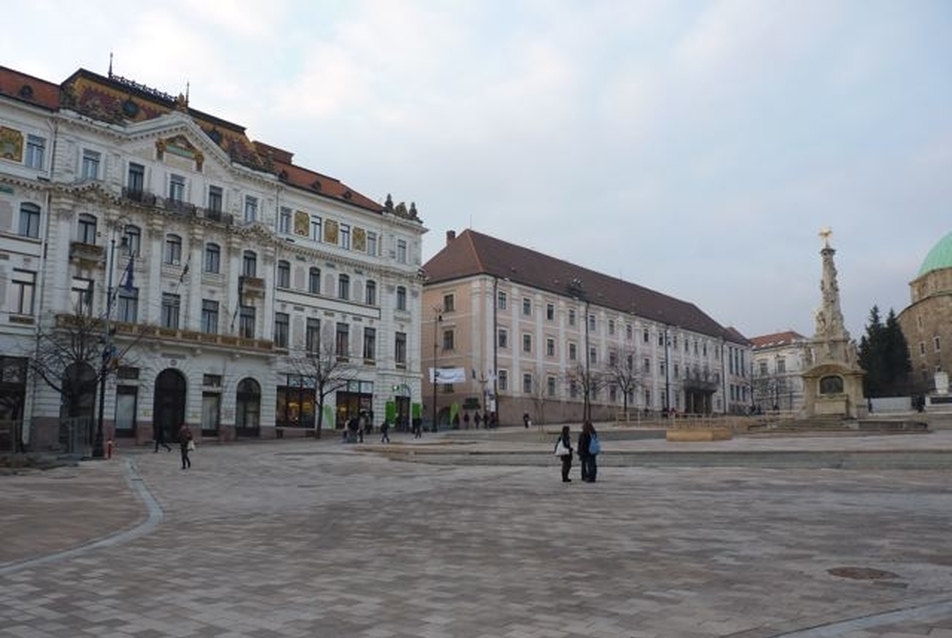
(535, 335)
(211, 266)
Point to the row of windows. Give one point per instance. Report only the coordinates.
(314, 343)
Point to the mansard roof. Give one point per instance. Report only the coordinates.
(117, 100)
(475, 254)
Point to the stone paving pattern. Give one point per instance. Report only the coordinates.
(314, 538)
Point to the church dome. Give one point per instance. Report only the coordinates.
(939, 257)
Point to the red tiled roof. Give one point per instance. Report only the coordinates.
(776, 339)
(29, 89)
(472, 253)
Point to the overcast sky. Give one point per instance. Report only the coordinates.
(696, 148)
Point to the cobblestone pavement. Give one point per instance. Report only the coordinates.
(291, 539)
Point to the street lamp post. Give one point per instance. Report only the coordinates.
(667, 373)
(107, 345)
(437, 318)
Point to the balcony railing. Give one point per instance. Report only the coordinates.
(86, 252)
(145, 331)
(179, 207)
(215, 215)
(139, 195)
(253, 286)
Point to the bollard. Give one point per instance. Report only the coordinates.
(109, 446)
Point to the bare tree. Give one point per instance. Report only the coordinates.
(539, 395)
(326, 364)
(589, 381)
(74, 354)
(623, 372)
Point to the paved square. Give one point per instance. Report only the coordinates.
(289, 539)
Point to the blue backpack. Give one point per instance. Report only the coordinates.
(594, 445)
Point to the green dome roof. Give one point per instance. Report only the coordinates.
(939, 257)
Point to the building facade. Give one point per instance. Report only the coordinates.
(522, 333)
(208, 278)
(927, 321)
(779, 360)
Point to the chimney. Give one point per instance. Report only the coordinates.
(450, 236)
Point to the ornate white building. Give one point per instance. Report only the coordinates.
(208, 264)
(779, 361)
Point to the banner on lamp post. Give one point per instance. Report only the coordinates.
(447, 375)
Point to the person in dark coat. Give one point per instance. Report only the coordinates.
(160, 439)
(185, 444)
(585, 456)
(566, 440)
(385, 431)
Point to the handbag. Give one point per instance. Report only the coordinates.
(560, 449)
(191, 446)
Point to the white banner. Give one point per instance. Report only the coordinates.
(447, 375)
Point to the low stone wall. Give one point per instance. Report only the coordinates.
(699, 434)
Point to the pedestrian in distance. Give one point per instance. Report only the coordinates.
(160, 439)
(477, 418)
(186, 445)
(588, 449)
(384, 431)
(563, 450)
(526, 421)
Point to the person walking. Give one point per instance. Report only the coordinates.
(526, 421)
(588, 449)
(186, 444)
(160, 439)
(384, 431)
(563, 449)
(477, 419)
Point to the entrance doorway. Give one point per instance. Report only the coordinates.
(168, 407)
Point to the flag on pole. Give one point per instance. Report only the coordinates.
(185, 270)
(127, 275)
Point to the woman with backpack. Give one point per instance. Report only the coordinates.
(588, 448)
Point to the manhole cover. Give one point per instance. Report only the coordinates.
(861, 573)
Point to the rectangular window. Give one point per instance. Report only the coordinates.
(312, 335)
(314, 281)
(251, 209)
(35, 150)
(91, 161)
(282, 327)
(550, 311)
(24, 291)
(592, 355)
(591, 323)
(177, 188)
(215, 199)
(449, 303)
(136, 179)
(527, 383)
(209, 316)
(370, 293)
(526, 307)
(935, 342)
(400, 348)
(763, 368)
(401, 298)
(781, 365)
(501, 300)
(342, 341)
(170, 310)
(502, 339)
(571, 316)
(629, 332)
(29, 221)
(550, 386)
(133, 237)
(448, 340)
(343, 287)
(284, 274)
(645, 336)
(550, 347)
(284, 221)
(81, 296)
(370, 344)
(246, 322)
(527, 343)
(611, 327)
(573, 352)
(87, 229)
(646, 365)
(173, 249)
(503, 380)
(372, 244)
(128, 304)
(316, 228)
(212, 258)
(402, 251)
(345, 236)
(249, 264)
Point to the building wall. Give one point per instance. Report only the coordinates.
(170, 148)
(521, 367)
(927, 327)
(777, 383)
